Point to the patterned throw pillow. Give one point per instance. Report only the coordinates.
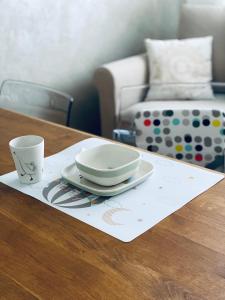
(180, 69)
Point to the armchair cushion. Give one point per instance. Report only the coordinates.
(180, 69)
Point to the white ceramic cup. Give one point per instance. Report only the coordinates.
(28, 155)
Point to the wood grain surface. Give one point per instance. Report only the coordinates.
(46, 254)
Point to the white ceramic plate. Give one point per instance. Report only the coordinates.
(72, 175)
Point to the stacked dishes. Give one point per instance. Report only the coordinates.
(107, 170)
(108, 164)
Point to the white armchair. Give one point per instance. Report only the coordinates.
(190, 130)
(114, 78)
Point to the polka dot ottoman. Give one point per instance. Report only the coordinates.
(191, 135)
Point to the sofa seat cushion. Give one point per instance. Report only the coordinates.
(127, 116)
(192, 135)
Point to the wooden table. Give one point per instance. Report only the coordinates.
(45, 254)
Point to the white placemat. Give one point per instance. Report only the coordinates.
(128, 215)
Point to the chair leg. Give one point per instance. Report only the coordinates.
(69, 114)
(217, 164)
(124, 136)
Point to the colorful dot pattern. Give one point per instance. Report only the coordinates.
(195, 136)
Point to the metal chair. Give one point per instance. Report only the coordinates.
(36, 100)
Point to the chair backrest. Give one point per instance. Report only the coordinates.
(36, 100)
(203, 20)
(195, 136)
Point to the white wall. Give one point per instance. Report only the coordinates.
(60, 42)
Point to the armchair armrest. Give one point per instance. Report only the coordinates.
(110, 79)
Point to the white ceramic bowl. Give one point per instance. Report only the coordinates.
(108, 164)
